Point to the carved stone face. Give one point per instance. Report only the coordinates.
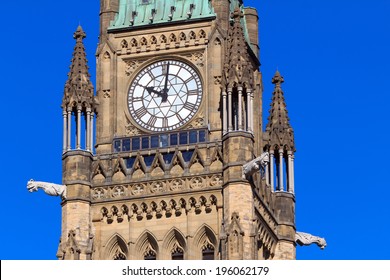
(31, 186)
(265, 160)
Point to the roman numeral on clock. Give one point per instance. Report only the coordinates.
(152, 121)
(193, 92)
(189, 106)
(136, 99)
(165, 122)
(141, 112)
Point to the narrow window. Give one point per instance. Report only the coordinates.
(178, 254)
(208, 252)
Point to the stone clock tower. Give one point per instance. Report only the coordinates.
(155, 162)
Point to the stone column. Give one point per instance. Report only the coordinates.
(271, 168)
(249, 102)
(292, 187)
(69, 147)
(91, 130)
(280, 185)
(88, 130)
(230, 109)
(64, 131)
(224, 113)
(78, 138)
(239, 108)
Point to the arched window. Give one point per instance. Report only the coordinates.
(208, 252)
(150, 255)
(119, 255)
(177, 253)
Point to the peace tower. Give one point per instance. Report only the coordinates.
(169, 159)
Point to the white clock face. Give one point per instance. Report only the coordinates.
(165, 95)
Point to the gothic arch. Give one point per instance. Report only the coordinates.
(147, 245)
(143, 41)
(124, 44)
(174, 240)
(116, 248)
(163, 39)
(182, 36)
(204, 238)
(133, 43)
(192, 35)
(202, 34)
(153, 40)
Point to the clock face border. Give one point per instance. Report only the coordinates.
(183, 94)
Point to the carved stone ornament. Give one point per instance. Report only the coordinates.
(197, 122)
(216, 180)
(196, 183)
(197, 58)
(106, 93)
(248, 169)
(118, 191)
(138, 189)
(217, 80)
(131, 66)
(131, 130)
(98, 193)
(303, 238)
(48, 188)
(177, 185)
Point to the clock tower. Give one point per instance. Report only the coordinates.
(158, 167)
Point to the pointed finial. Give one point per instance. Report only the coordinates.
(79, 33)
(277, 79)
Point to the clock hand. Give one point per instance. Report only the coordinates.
(152, 90)
(164, 92)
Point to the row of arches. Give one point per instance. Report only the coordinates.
(174, 246)
(163, 39)
(157, 210)
(157, 165)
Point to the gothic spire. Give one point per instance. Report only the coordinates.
(237, 68)
(279, 130)
(78, 88)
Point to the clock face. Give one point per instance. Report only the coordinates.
(165, 95)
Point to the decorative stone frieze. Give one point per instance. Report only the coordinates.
(156, 187)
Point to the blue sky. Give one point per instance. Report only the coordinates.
(334, 56)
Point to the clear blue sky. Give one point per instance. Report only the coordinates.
(335, 59)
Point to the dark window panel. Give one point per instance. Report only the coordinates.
(125, 145)
(168, 157)
(154, 141)
(164, 140)
(130, 162)
(183, 138)
(117, 146)
(145, 143)
(148, 160)
(202, 136)
(135, 144)
(193, 136)
(187, 155)
(174, 139)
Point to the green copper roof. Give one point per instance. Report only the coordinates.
(133, 13)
